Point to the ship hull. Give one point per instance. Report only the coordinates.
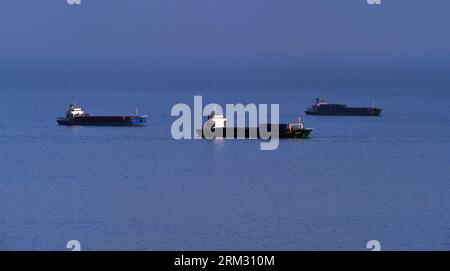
(138, 121)
(370, 112)
(254, 133)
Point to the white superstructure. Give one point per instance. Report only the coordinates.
(75, 111)
(216, 121)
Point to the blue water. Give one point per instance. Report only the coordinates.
(356, 179)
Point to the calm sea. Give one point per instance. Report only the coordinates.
(356, 178)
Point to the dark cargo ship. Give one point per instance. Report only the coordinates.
(325, 109)
(216, 124)
(75, 116)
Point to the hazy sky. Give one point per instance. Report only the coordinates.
(165, 34)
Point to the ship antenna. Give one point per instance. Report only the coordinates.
(137, 111)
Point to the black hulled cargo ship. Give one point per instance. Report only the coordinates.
(75, 116)
(215, 127)
(323, 108)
